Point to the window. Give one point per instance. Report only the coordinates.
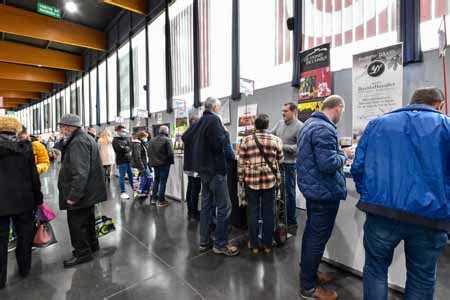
(102, 91)
(266, 52)
(157, 58)
(86, 99)
(124, 77)
(47, 116)
(215, 44)
(59, 106)
(93, 79)
(67, 100)
(351, 26)
(73, 99)
(112, 86)
(139, 72)
(431, 20)
(79, 96)
(53, 112)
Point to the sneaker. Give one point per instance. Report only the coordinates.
(324, 278)
(124, 196)
(163, 203)
(267, 250)
(204, 248)
(255, 251)
(319, 293)
(228, 250)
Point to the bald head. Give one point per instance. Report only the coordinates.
(164, 130)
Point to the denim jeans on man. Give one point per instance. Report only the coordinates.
(423, 246)
(159, 186)
(125, 169)
(145, 181)
(288, 171)
(261, 206)
(321, 216)
(215, 193)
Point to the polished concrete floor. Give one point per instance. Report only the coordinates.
(153, 255)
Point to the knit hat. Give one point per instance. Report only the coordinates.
(10, 124)
(70, 120)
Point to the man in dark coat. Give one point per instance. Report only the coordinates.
(321, 179)
(207, 140)
(21, 194)
(81, 185)
(122, 147)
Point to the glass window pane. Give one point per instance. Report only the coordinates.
(93, 78)
(73, 99)
(124, 77)
(112, 86)
(157, 57)
(67, 100)
(86, 98)
(139, 72)
(79, 96)
(102, 91)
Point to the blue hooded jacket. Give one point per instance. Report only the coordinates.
(402, 167)
(320, 161)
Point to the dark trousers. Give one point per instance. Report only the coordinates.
(288, 172)
(159, 186)
(260, 206)
(24, 226)
(423, 247)
(192, 194)
(319, 226)
(82, 231)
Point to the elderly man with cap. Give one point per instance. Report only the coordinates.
(81, 185)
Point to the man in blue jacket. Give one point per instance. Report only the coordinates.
(207, 140)
(401, 170)
(321, 179)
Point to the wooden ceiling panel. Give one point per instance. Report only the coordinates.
(27, 73)
(19, 94)
(26, 86)
(137, 6)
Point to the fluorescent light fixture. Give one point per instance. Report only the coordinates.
(71, 7)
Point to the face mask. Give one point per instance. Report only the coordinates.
(122, 134)
(145, 140)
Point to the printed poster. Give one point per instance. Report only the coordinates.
(315, 73)
(246, 120)
(377, 85)
(181, 116)
(306, 109)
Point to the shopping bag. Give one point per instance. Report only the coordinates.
(44, 236)
(103, 225)
(45, 213)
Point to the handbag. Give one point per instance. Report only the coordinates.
(45, 213)
(280, 233)
(44, 236)
(103, 225)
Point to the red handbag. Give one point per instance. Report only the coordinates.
(44, 235)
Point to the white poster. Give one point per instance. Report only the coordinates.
(377, 85)
(246, 120)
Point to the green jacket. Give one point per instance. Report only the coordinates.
(81, 177)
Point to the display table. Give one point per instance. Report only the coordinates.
(177, 181)
(345, 248)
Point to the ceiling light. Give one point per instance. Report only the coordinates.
(40, 66)
(71, 7)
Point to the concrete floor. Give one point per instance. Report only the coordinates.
(153, 255)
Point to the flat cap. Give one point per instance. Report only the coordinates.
(70, 120)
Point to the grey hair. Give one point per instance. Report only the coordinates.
(164, 130)
(210, 103)
(333, 101)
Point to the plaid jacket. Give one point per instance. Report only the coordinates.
(253, 170)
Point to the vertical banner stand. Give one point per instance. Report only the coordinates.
(442, 51)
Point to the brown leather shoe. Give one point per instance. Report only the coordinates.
(324, 278)
(319, 293)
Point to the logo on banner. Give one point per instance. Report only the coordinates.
(376, 68)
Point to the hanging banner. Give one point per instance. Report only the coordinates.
(246, 120)
(315, 79)
(377, 85)
(181, 116)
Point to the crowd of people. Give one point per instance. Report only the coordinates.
(400, 170)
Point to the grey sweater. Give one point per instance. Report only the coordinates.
(288, 133)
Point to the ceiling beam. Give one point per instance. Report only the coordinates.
(18, 94)
(137, 6)
(29, 55)
(26, 86)
(25, 23)
(20, 72)
(16, 101)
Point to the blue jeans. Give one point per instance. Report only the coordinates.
(215, 194)
(260, 206)
(159, 186)
(145, 181)
(423, 246)
(319, 226)
(289, 176)
(125, 169)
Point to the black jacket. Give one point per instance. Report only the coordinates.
(207, 140)
(139, 156)
(160, 151)
(19, 181)
(122, 147)
(81, 177)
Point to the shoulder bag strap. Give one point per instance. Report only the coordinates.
(266, 159)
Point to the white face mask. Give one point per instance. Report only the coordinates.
(145, 140)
